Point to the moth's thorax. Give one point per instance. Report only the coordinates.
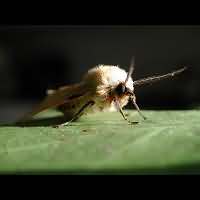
(104, 77)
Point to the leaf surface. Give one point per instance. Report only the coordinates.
(167, 142)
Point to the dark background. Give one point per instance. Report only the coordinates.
(34, 58)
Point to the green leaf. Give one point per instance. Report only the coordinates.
(167, 142)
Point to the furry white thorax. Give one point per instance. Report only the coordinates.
(103, 78)
(107, 75)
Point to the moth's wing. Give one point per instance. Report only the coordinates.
(58, 97)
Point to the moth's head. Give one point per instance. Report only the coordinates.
(126, 87)
(122, 89)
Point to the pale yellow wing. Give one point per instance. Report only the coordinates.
(58, 97)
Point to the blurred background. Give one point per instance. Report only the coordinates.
(34, 58)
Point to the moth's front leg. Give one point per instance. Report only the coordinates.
(117, 104)
(78, 114)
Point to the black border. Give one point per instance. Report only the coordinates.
(100, 13)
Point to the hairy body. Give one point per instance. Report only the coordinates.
(97, 85)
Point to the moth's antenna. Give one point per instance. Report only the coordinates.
(131, 69)
(157, 78)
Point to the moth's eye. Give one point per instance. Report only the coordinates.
(120, 89)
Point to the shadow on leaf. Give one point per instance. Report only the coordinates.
(38, 122)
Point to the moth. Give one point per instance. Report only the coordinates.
(104, 88)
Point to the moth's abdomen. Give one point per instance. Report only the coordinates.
(70, 109)
(67, 107)
(68, 113)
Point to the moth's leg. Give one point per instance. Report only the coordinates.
(121, 111)
(78, 114)
(133, 99)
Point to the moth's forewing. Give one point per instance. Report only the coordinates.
(64, 95)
